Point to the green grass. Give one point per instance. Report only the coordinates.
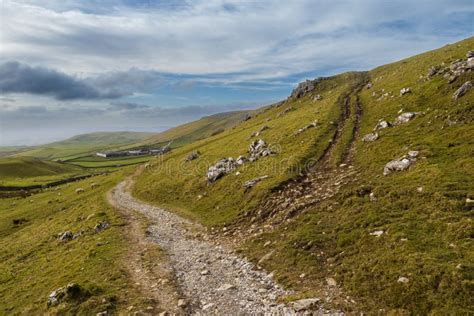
(23, 171)
(436, 223)
(84, 144)
(93, 162)
(33, 262)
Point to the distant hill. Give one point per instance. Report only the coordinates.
(200, 129)
(30, 170)
(83, 144)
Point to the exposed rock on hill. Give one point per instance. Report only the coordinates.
(400, 164)
(221, 168)
(304, 88)
(405, 117)
(462, 90)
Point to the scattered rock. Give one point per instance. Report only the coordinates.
(70, 292)
(204, 272)
(405, 117)
(80, 190)
(419, 189)
(470, 54)
(369, 86)
(372, 197)
(65, 236)
(221, 168)
(382, 124)
(94, 185)
(101, 226)
(192, 156)
(305, 304)
(403, 279)
(469, 202)
(462, 90)
(249, 184)
(304, 128)
(318, 97)
(377, 233)
(400, 164)
(404, 91)
(259, 148)
(371, 137)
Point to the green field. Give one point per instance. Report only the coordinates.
(81, 145)
(427, 232)
(33, 262)
(23, 171)
(112, 162)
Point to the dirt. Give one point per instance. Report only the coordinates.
(210, 277)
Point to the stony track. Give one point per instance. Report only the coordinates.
(212, 279)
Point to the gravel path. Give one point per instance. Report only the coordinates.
(213, 279)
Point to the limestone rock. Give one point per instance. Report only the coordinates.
(80, 190)
(71, 291)
(382, 124)
(101, 226)
(404, 91)
(462, 90)
(370, 137)
(304, 88)
(221, 168)
(400, 164)
(405, 117)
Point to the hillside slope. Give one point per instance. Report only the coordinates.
(322, 214)
(202, 128)
(83, 144)
(28, 170)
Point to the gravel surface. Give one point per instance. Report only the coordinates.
(213, 279)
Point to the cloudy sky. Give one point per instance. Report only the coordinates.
(70, 66)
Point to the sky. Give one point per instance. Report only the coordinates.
(69, 67)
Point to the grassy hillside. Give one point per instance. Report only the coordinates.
(205, 127)
(33, 262)
(326, 224)
(28, 170)
(84, 144)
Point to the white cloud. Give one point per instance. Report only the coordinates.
(264, 39)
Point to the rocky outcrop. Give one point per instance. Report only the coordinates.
(71, 291)
(221, 168)
(400, 164)
(304, 88)
(462, 90)
(371, 137)
(405, 117)
(259, 148)
(455, 69)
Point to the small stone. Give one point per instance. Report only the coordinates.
(226, 287)
(403, 279)
(305, 304)
(331, 282)
(182, 303)
(377, 233)
(419, 189)
(204, 272)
